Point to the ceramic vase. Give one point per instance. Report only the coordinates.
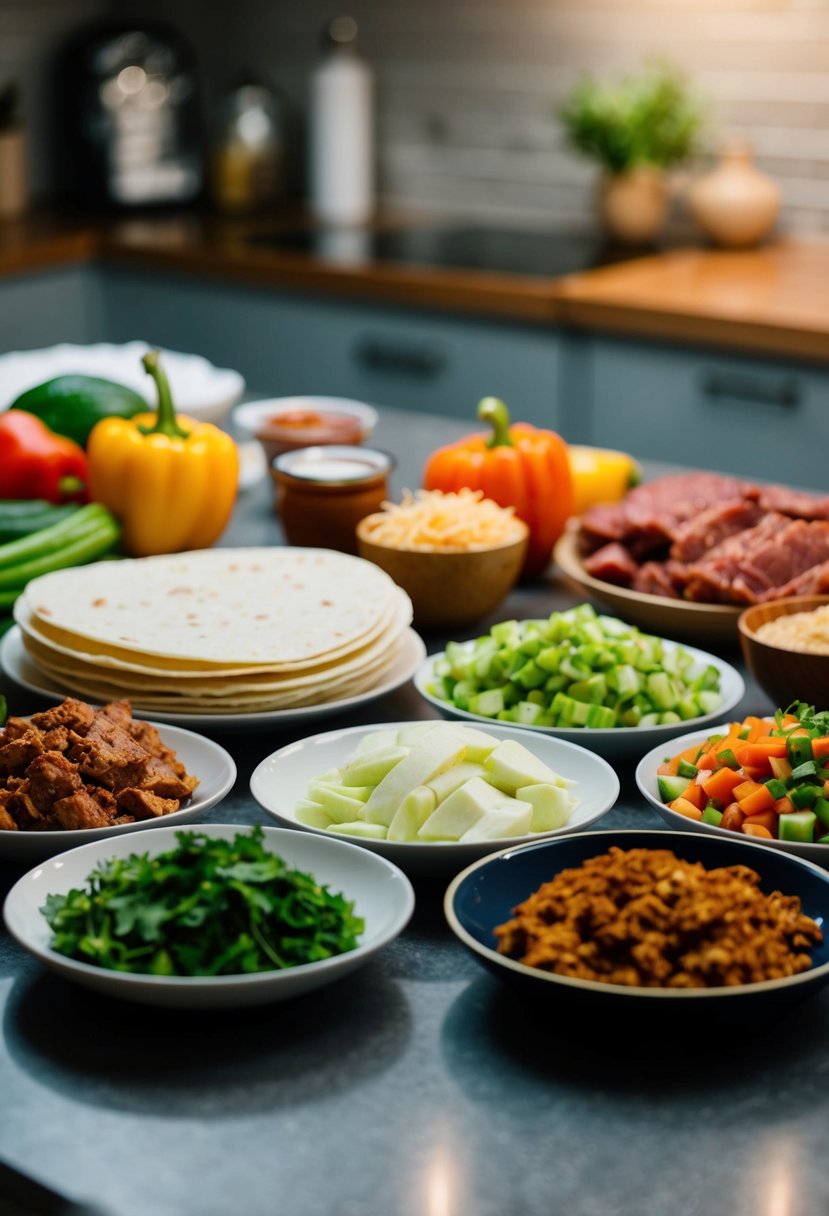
(735, 205)
(633, 205)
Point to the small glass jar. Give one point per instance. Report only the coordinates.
(322, 493)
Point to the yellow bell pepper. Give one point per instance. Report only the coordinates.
(600, 475)
(171, 480)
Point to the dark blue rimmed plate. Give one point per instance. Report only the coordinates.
(485, 894)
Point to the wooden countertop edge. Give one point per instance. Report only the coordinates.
(502, 296)
(575, 301)
(727, 333)
(55, 250)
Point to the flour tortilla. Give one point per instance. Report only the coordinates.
(84, 675)
(84, 658)
(277, 608)
(150, 702)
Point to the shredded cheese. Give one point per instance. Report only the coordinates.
(435, 521)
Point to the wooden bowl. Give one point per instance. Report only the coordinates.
(449, 588)
(785, 674)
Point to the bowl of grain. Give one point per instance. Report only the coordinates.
(456, 555)
(786, 646)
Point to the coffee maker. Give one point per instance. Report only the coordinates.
(128, 118)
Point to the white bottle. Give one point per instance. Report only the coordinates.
(341, 131)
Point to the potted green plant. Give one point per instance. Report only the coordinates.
(637, 129)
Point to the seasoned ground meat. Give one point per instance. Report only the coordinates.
(645, 918)
(76, 767)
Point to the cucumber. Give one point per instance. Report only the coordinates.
(671, 787)
(576, 669)
(72, 405)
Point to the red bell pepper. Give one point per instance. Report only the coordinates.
(37, 463)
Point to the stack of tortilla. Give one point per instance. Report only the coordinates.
(225, 631)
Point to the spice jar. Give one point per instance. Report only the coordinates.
(322, 493)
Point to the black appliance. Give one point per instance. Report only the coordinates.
(128, 117)
(515, 251)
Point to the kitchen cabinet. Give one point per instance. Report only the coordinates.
(287, 344)
(42, 308)
(765, 418)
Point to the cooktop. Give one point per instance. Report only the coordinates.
(540, 254)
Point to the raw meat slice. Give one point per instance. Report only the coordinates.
(653, 578)
(702, 533)
(613, 564)
(794, 502)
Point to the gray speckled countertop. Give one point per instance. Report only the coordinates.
(416, 1087)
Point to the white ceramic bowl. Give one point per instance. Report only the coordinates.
(199, 389)
(248, 417)
(281, 780)
(381, 895)
(613, 742)
(646, 779)
(205, 759)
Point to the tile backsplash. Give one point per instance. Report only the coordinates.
(467, 90)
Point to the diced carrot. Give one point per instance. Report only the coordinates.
(721, 784)
(683, 807)
(820, 747)
(776, 744)
(757, 829)
(826, 789)
(756, 727)
(732, 817)
(690, 754)
(756, 802)
(745, 788)
(767, 820)
(664, 769)
(696, 795)
(708, 762)
(754, 773)
(784, 805)
(759, 754)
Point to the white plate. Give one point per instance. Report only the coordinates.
(381, 895)
(282, 779)
(199, 389)
(646, 779)
(16, 663)
(614, 741)
(248, 417)
(202, 757)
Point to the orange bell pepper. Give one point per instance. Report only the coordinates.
(519, 466)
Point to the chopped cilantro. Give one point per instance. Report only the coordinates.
(207, 907)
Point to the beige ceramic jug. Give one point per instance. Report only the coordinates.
(633, 205)
(735, 205)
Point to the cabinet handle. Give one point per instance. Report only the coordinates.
(784, 390)
(383, 356)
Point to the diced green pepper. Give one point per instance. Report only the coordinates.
(799, 748)
(807, 769)
(821, 808)
(684, 769)
(804, 795)
(711, 815)
(776, 787)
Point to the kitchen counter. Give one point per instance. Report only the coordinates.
(773, 300)
(419, 1086)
